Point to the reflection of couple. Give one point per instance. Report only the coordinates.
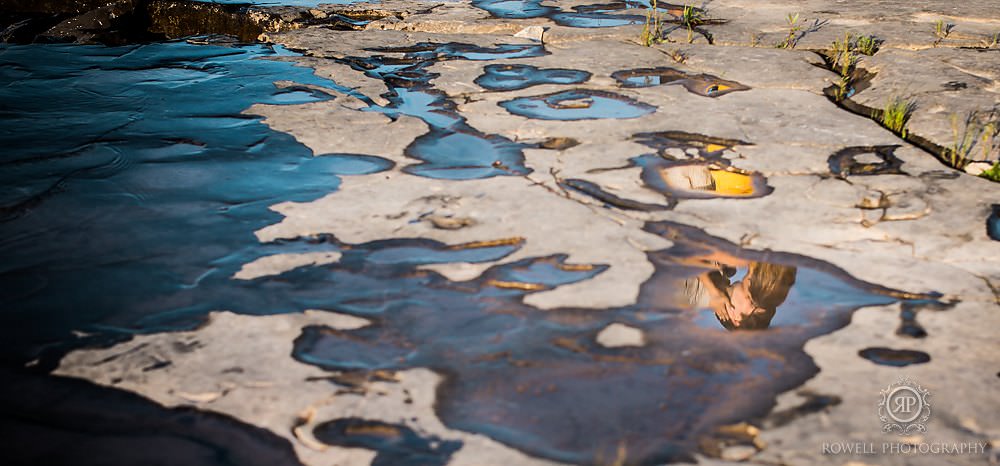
(699, 177)
(747, 304)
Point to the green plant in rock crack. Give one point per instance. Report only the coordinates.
(864, 45)
(976, 127)
(691, 18)
(841, 51)
(896, 114)
(992, 174)
(843, 61)
(867, 45)
(793, 30)
(941, 31)
(652, 31)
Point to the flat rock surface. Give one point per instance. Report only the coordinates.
(575, 175)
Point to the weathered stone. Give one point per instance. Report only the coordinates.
(918, 228)
(617, 335)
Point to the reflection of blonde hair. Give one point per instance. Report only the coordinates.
(768, 286)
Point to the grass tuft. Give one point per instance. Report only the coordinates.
(992, 174)
(867, 45)
(896, 114)
(843, 61)
(941, 31)
(793, 30)
(977, 128)
(652, 32)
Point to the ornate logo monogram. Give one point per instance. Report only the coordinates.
(904, 407)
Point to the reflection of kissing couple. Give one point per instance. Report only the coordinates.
(746, 304)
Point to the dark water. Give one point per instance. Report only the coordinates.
(395, 444)
(135, 186)
(61, 421)
(844, 162)
(134, 183)
(993, 223)
(538, 381)
(577, 104)
(894, 357)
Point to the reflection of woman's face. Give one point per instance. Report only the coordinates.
(739, 304)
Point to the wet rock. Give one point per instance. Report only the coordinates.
(559, 264)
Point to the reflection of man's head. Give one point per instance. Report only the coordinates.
(753, 300)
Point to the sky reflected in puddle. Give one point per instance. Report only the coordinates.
(578, 104)
(451, 149)
(531, 378)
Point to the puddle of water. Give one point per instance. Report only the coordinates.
(530, 378)
(908, 325)
(464, 154)
(395, 444)
(425, 51)
(514, 9)
(892, 357)
(662, 8)
(993, 223)
(686, 166)
(357, 164)
(678, 145)
(701, 84)
(515, 77)
(586, 16)
(452, 149)
(844, 162)
(119, 157)
(595, 20)
(578, 104)
(134, 219)
(699, 180)
(420, 252)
